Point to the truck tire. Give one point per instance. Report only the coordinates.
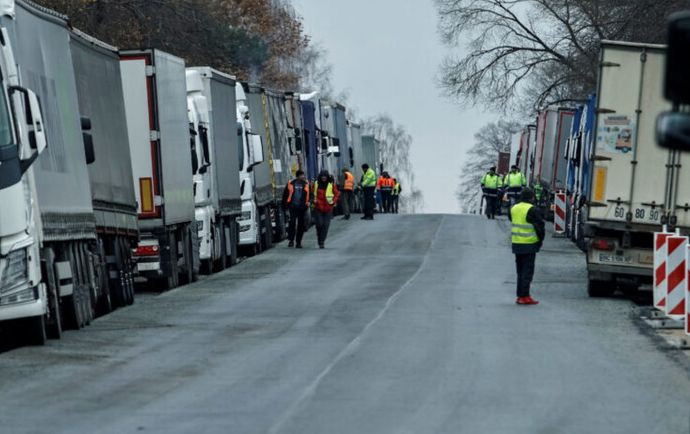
(34, 330)
(600, 288)
(187, 271)
(233, 230)
(171, 280)
(268, 239)
(222, 262)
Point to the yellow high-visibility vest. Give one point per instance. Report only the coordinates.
(523, 232)
(329, 192)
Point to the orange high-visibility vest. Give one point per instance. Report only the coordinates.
(291, 190)
(349, 181)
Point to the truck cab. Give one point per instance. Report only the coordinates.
(251, 155)
(22, 138)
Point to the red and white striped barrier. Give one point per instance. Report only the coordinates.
(559, 213)
(676, 276)
(660, 269)
(687, 293)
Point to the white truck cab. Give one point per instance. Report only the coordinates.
(22, 139)
(199, 120)
(252, 154)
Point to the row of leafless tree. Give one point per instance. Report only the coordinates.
(518, 56)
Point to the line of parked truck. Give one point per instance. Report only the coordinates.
(124, 166)
(620, 186)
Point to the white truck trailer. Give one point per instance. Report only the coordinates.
(635, 186)
(159, 140)
(212, 109)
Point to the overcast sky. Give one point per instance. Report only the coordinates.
(386, 54)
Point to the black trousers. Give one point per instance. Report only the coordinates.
(491, 198)
(346, 202)
(386, 199)
(524, 263)
(296, 224)
(322, 220)
(369, 201)
(395, 202)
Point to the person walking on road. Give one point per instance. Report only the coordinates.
(347, 198)
(368, 184)
(395, 196)
(514, 182)
(326, 195)
(296, 200)
(527, 236)
(490, 184)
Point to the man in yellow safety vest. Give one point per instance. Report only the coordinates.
(490, 184)
(527, 236)
(514, 182)
(368, 184)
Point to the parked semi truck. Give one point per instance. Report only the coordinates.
(312, 133)
(635, 186)
(254, 172)
(155, 96)
(50, 266)
(212, 109)
(101, 103)
(549, 170)
(578, 155)
(525, 155)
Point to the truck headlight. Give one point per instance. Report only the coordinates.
(15, 271)
(27, 294)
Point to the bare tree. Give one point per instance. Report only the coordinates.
(542, 50)
(491, 139)
(395, 143)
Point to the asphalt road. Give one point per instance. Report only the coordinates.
(402, 325)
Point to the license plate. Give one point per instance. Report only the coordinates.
(646, 258)
(615, 259)
(148, 266)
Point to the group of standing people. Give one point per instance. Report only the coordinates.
(496, 186)
(323, 195)
(388, 197)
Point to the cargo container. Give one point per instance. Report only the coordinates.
(635, 186)
(212, 110)
(553, 129)
(155, 96)
(101, 101)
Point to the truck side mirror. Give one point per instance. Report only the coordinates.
(32, 135)
(673, 128)
(88, 148)
(256, 149)
(677, 85)
(85, 123)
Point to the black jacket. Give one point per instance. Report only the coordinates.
(305, 198)
(535, 218)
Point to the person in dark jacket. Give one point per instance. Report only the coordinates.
(326, 195)
(527, 237)
(296, 200)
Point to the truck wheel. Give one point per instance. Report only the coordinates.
(72, 310)
(54, 326)
(600, 288)
(233, 243)
(187, 275)
(222, 262)
(269, 229)
(34, 330)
